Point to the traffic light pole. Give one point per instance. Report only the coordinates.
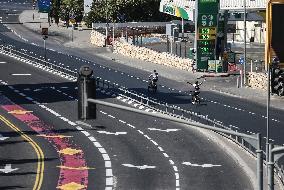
(267, 112)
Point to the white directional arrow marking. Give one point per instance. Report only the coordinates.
(139, 167)
(8, 169)
(2, 138)
(109, 133)
(167, 130)
(202, 165)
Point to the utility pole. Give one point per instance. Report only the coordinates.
(245, 41)
(106, 12)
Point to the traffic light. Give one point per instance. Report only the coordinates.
(277, 81)
(274, 32)
(86, 90)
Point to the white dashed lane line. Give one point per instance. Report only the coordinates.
(177, 179)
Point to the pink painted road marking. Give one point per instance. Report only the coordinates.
(74, 167)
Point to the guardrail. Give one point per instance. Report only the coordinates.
(152, 103)
(187, 115)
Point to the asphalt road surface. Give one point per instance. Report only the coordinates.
(122, 148)
(118, 150)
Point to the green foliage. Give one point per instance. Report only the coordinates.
(67, 9)
(125, 11)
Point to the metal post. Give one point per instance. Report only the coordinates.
(113, 25)
(180, 49)
(126, 33)
(85, 102)
(141, 40)
(168, 46)
(182, 29)
(44, 46)
(270, 165)
(241, 74)
(238, 85)
(259, 163)
(184, 49)
(245, 41)
(171, 45)
(133, 36)
(176, 48)
(267, 114)
(137, 37)
(72, 32)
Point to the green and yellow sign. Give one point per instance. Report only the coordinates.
(207, 28)
(176, 10)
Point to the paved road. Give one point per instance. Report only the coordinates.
(154, 154)
(241, 114)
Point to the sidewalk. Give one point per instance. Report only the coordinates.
(224, 85)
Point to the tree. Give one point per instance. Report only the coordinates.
(54, 13)
(71, 9)
(126, 11)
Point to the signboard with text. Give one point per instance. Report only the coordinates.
(44, 6)
(179, 8)
(207, 29)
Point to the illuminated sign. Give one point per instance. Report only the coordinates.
(207, 30)
(206, 33)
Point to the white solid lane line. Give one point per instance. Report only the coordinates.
(21, 74)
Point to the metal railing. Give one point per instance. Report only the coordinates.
(186, 115)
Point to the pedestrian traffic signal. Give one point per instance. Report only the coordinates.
(277, 81)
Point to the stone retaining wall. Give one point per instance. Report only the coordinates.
(97, 38)
(142, 53)
(257, 80)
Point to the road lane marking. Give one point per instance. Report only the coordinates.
(139, 167)
(166, 130)
(8, 169)
(67, 155)
(162, 151)
(39, 152)
(19, 112)
(109, 133)
(21, 74)
(201, 165)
